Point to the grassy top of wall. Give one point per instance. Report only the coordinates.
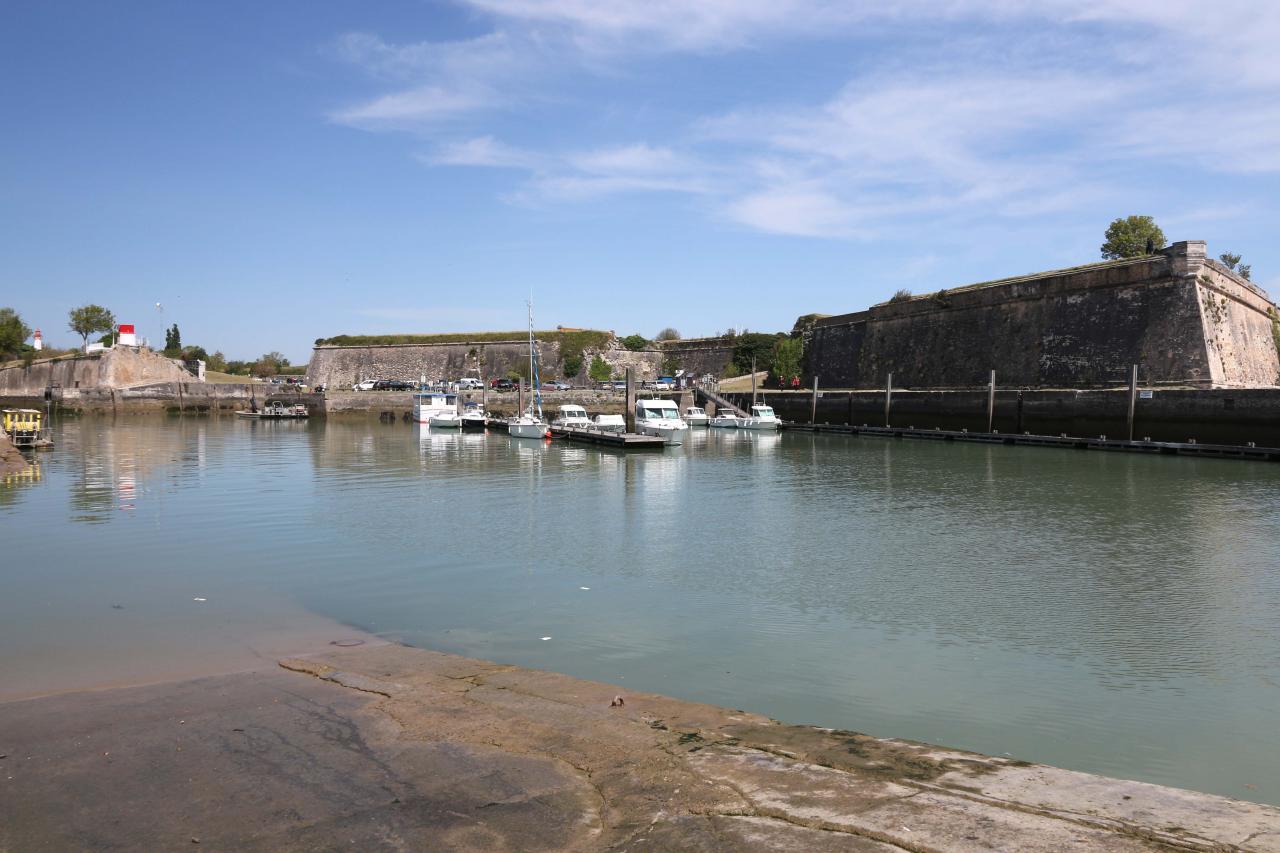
(575, 340)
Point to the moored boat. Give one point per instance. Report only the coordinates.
(610, 423)
(530, 424)
(277, 411)
(446, 420)
(660, 418)
(428, 404)
(474, 418)
(761, 417)
(696, 416)
(572, 417)
(725, 418)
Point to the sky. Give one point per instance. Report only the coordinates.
(264, 174)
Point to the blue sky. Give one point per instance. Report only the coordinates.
(275, 172)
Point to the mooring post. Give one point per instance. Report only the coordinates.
(849, 416)
(753, 380)
(519, 397)
(630, 415)
(813, 403)
(888, 397)
(991, 403)
(1133, 396)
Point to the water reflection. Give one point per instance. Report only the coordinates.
(1085, 609)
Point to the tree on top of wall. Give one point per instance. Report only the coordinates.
(1232, 262)
(667, 334)
(87, 319)
(600, 371)
(13, 333)
(1132, 237)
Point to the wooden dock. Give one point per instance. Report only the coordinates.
(623, 440)
(1172, 448)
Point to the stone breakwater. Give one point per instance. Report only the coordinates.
(11, 461)
(388, 747)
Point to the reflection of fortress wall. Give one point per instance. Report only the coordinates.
(121, 367)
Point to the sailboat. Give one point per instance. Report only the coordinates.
(531, 424)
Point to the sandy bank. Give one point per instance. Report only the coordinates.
(396, 748)
(11, 461)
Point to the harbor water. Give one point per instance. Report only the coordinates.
(1114, 614)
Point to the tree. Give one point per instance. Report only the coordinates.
(13, 333)
(572, 364)
(216, 362)
(87, 319)
(1132, 237)
(787, 353)
(270, 364)
(1230, 260)
(754, 349)
(600, 371)
(901, 295)
(635, 342)
(172, 339)
(667, 334)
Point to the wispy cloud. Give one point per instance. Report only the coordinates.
(1043, 106)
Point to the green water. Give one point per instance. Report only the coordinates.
(1108, 613)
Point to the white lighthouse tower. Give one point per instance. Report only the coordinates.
(37, 342)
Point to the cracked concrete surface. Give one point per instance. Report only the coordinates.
(392, 748)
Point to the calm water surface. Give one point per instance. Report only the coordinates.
(1108, 613)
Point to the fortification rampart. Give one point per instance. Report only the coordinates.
(119, 367)
(698, 356)
(342, 366)
(1185, 320)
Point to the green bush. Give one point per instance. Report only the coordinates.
(635, 342)
(600, 371)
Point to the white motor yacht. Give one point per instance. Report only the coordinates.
(761, 417)
(660, 418)
(572, 417)
(696, 416)
(428, 404)
(610, 423)
(725, 419)
(473, 418)
(446, 420)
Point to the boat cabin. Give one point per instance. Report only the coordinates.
(23, 426)
(657, 410)
(762, 412)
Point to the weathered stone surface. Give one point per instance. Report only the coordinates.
(699, 356)
(339, 367)
(120, 367)
(1183, 319)
(396, 748)
(11, 461)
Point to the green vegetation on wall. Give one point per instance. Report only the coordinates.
(1130, 237)
(600, 371)
(580, 340)
(635, 342)
(757, 346)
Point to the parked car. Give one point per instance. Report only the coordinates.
(366, 385)
(556, 386)
(504, 385)
(665, 383)
(469, 383)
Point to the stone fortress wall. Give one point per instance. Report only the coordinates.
(341, 366)
(1183, 319)
(117, 367)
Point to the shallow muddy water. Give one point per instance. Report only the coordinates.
(1109, 613)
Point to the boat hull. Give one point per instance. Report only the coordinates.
(670, 435)
(527, 430)
(756, 423)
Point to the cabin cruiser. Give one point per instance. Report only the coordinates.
(473, 418)
(660, 418)
(725, 418)
(428, 404)
(610, 423)
(761, 417)
(696, 416)
(572, 417)
(446, 420)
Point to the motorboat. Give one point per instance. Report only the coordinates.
(725, 418)
(572, 417)
(696, 416)
(660, 418)
(474, 418)
(531, 424)
(446, 420)
(427, 404)
(761, 417)
(277, 411)
(610, 423)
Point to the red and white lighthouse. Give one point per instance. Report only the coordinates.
(127, 337)
(37, 342)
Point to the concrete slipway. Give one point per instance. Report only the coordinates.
(384, 747)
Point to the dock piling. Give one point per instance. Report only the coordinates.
(888, 397)
(813, 402)
(991, 403)
(1133, 396)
